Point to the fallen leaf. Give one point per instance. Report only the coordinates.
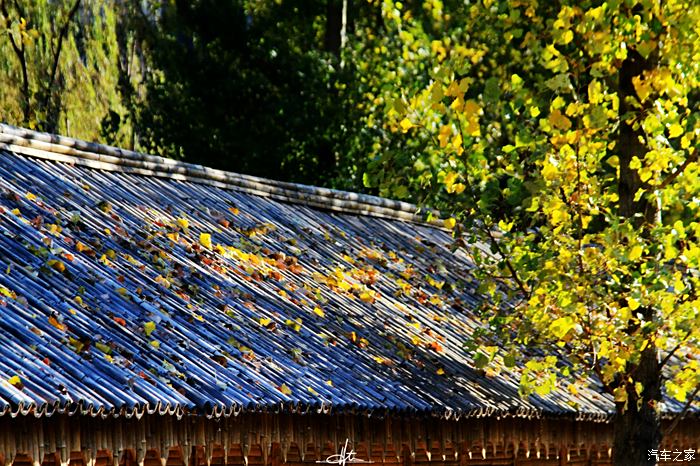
(285, 389)
(55, 322)
(205, 240)
(149, 327)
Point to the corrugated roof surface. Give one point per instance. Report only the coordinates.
(121, 294)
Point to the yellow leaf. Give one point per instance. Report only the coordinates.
(471, 108)
(329, 383)
(31, 196)
(55, 322)
(183, 223)
(635, 253)
(15, 380)
(265, 321)
(319, 312)
(285, 389)
(15, 211)
(81, 247)
(367, 297)
(102, 347)
(450, 223)
(295, 324)
(440, 371)
(155, 343)
(685, 142)
(405, 125)
(558, 120)
(8, 293)
(633, 303)
(675, 130)
(122, 291)
(444, 135)
(205, 240)
(149, 327)
(312, 391)
(56, 265)
(642, 87)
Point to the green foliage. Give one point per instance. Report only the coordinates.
(61, 69)
(245, 86)
(564, 137)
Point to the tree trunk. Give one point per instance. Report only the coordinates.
(637, 424)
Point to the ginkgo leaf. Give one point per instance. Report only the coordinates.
(56, 323)
(205, 240)
(285, 389)
(183, 223)
(312, 391)
(56, 265)
(265, 321)
(405, 125)
(675, 130)
(16, 382)
(149, 327)
(319, 312)
(104, 348)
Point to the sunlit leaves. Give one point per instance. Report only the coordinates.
(524, 150)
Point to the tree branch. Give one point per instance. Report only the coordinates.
(680, 415)
(57, 54)
(672, 352)
(19, 52)
(669, 179)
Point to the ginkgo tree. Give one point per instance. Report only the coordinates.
(565, 135)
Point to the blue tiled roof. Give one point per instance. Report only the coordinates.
(114, 300)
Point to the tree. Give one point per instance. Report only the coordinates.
(60, 72)
(248, 86)
(565, 137)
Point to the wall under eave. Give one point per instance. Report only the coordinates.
(81, 438)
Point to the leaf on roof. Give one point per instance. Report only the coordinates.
(265, 321)
(285, 389)
(205, 240)
(8, 293)
(104, 348)
(56, 265)
(319, 312)
(16, 382)
(294, 324)
(183, 223)
(56, 323)
(81, 247)
(149, 327)
(104, 206)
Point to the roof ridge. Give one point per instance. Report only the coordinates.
(65, 149)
